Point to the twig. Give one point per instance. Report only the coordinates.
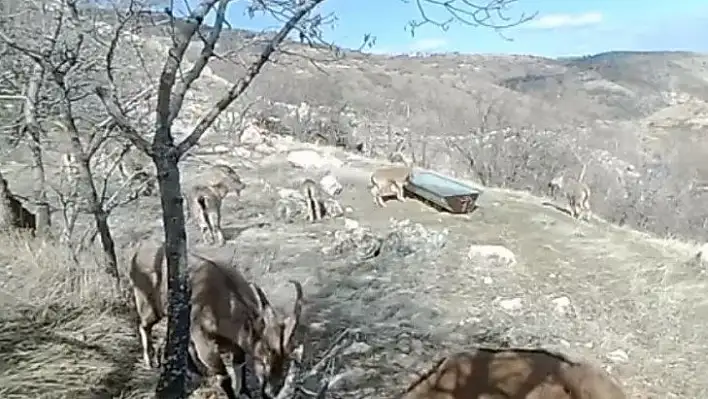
(289, 386)
(207, 52)
(111, 104)
(337, 345)
(244, 82)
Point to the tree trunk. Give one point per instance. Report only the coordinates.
(109, 246)
(89, 193)
(35, 143)
(40, 194)
(172, 383)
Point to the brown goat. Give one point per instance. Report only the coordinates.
(512, 374)
(228, 315)
(313, 197)
(204, 201)
(388, 181)
(575, 192)
(12, 213)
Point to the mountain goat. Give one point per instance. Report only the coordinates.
(389, 181)
(204, 201)
(228, 315)
(486, 373)
(575, 192)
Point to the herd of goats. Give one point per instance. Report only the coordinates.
(229, 314)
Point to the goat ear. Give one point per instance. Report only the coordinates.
(292, 321)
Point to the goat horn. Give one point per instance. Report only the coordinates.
(261, 298)
(297, 308)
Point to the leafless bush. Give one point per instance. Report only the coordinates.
(63, 70)
(331, 127)
(658, 194)
(65, 63)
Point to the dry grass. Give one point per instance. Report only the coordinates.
(68, 333)
(65, 331)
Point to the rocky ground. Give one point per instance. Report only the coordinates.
(400, 286)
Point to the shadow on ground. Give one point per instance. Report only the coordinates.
(57, 343)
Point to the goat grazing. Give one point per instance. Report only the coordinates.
(228, 315)
(575, 192)
(204, 202)
(389, 181)
(512, 374)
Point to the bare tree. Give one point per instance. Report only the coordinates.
(62, 68)
(166, 153)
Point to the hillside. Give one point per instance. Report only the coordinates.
(632, 303)
(406, 284)
(622, 114)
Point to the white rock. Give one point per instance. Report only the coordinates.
(252, 135)
(279, 146)
(350, 224)
(220, 148)
(241, 152)
(290, 193)
(331, 185)
(618, 356)
(498, 252)
(264, 148)
(511, 304)
(356, 348)
(488, 281)
(306, 159)
(562, 304)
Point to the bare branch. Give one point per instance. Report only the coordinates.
(111, 105)
(207, 52)
(176, 53)
(487, 14)
(109, 123)
(122, 23)
(34, 55)
(242, 84)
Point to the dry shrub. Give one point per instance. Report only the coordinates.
(63, 329)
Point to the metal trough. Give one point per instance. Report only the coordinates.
(443, 192)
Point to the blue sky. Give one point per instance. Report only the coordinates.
(562, 28)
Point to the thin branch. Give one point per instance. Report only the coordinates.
(111, 105)
(207, 52)
(487, 14)
(109, 123)
(110, 170)
(123, 22)
(243, 83)
(174, 59)
(34, 55)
